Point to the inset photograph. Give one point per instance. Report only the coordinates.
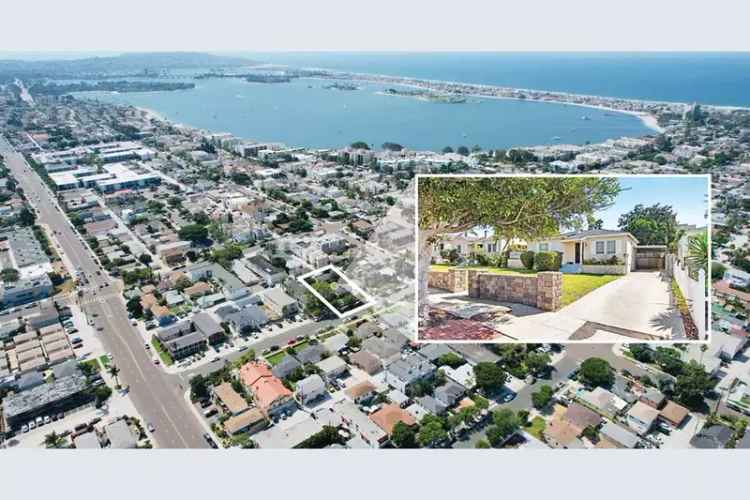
(548, 259)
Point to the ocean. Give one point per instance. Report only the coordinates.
(304, 113)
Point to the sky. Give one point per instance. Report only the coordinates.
(385, 25)
(688, 196)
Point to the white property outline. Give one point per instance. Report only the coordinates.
(369, 301)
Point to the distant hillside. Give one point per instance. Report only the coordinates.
(122, 65)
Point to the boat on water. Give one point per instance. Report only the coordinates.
(585, 118)
(556, 138)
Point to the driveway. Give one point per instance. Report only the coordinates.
(636, 306)
(639, 302)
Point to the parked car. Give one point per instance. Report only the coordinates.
(150, 427)
(210, 440)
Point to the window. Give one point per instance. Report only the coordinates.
(611, 246)
(599, 247)
(544, 247)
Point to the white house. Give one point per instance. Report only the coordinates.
(588, 247)
(310, 389)
(641, 417)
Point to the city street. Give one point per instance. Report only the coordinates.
(156, 395)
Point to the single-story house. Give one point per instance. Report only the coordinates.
(641, 417)
(332, 367)
(674, 414)
(366, 361)
(716, 436)
(251, 421)
(279, 302)
(594, 245)
(390, 414)
(120, 435)
(336, 342)
(449, 393)
(361, 392)
(581, 417)
(228, 398)
(285, 367)
(619, 436)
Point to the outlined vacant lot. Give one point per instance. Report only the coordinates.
(336, 291)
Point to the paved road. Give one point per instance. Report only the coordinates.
(157, 396)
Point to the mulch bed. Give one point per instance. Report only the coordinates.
(445, 326)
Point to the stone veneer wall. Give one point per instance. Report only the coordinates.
(453, 280)
(544, 290)
(604, 269)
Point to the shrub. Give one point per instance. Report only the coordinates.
(527, 259)
(547, 261)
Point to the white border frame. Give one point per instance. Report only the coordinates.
(709, 228)
(369, 301)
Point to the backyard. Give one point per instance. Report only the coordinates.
(574, 287)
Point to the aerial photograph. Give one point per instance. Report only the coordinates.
(277, 228)
(563, 258)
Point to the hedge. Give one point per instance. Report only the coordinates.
(527, 258)
(547, 261)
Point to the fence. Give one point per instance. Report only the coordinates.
(694, 292)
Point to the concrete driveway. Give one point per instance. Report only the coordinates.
(637, 306)
(640, 301)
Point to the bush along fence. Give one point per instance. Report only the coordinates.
(690, 297)
(543, 290)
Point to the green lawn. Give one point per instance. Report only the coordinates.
(536, 428)
(575, 286)
(163, 354)
(275, 358)
(104, 360)
(93, 364)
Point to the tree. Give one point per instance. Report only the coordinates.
(596, 372)
(193, 232)
(145, 258)
(595, 223)
(431, 431)
(698, 253)
(463, 151)
(717, 271)
(450, 359)
(482, 444)
(542, 397)
(404, 436)
(198, 388)
(114, 372)
(359, 145)
(489, 377)
(538, 362)
(654, 225)
(528, 208)
(505, 424)
(26, 217)
(9, 274)
(447, 149)
(53, 440)
(692, 384)
(135, 307)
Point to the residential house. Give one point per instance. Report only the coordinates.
(674, 414)
(581, 417)
(713, 437)
(404, 373)
(269, 392)
(229, 399)
(603, 401)
(281, 304)
(618, 436)
(641, 417)
(361, 393)
(285, 367)
(336, 343)
(449, 393)
(595, 245)
(310, 389)
(208, 327)
(250, 421)
(261, 266)
(366, 361)
(251, 317)
(332, 367)
(389, 415)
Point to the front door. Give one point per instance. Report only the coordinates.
(578, 253)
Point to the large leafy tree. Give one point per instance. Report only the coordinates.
(654, 225)
(522, 207)
(597, 372)
(692, 385)
(489, 377)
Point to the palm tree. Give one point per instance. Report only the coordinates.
(697, 253)
(53, 440)
(113, 371)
